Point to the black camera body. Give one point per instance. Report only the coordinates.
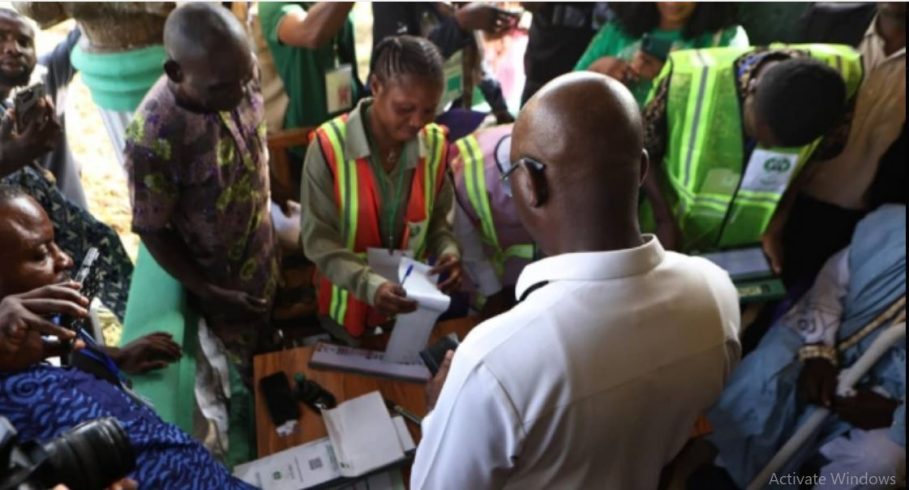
(91, 456)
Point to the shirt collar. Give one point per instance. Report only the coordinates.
(356, 145)
(593, 266)
(872, 36)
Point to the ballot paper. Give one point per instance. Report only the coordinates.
(314, 464)
(385, 263)
(412, 330)
(341, 357)
(363, 435)
(296, 468)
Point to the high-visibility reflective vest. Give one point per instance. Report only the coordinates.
(480, 193)
(357, 194)
(719, 200)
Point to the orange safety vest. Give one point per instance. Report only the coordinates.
(357, 196)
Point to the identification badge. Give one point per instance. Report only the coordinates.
(339, 89)
(453, 70)
(769, 171)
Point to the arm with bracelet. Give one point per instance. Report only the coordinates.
(817, 319)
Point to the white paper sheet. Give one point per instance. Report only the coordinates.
(314, 463)
(386, 264)
(296, 468)
(412, 330)
(363, 434)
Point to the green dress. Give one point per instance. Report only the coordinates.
(613, 41)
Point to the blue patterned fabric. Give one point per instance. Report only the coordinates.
(45, 401)
(758, 410)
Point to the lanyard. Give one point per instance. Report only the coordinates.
(389, 210)
(93, 351)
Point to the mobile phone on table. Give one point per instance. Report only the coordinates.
(25, 103)
(656, 47)
(280, 402)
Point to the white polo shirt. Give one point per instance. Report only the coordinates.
(593, 381)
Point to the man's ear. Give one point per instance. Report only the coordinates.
(536, 186)
(645, 166)
(174, 73)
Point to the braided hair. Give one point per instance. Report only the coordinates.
(407, 55)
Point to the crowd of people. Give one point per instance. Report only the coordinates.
(648, 134)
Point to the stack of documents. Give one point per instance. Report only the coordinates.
(362, 438)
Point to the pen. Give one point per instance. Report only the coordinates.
(407, 273)
(407, 414)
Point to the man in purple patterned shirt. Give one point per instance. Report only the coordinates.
(197, 162)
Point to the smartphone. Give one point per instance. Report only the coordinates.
(86, 275)
(658, 48)
(26, 105)
(279, 399)
(433, 355)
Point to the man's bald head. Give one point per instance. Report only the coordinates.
(594, 117)
(586, 128)
(209, 56)
(198, 30)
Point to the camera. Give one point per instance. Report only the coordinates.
(91, 456)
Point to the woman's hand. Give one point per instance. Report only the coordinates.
(391, 299)
(615, 68)
(452, 265)
(645, 66)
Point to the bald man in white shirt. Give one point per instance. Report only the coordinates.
(596, 377)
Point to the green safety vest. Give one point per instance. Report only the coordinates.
(714, 204)
(474, 170)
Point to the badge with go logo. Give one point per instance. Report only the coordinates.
(769, 171)
(777, 164)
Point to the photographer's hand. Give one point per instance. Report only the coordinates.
(40, 135)
(24, 319)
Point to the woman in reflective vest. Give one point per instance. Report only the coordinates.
(484, 210)
(718, 199)
(376, 178)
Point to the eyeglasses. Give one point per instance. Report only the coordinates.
(530, 163)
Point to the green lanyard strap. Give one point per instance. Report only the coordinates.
(388, 210)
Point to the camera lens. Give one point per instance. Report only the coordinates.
(91, 456)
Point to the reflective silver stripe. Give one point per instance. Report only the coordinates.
(695, 121)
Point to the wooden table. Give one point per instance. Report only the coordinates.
(343, 385)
